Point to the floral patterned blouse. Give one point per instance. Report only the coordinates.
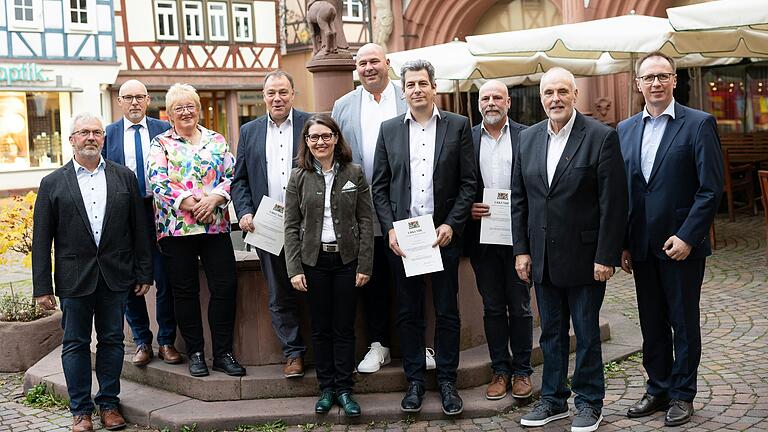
(179, 169)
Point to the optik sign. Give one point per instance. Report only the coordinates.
(22, 72)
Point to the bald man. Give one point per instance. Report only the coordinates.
(127, 143)
(506, 299)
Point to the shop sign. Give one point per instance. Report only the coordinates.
(26, 72)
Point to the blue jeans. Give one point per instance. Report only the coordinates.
(105, 309)
(581, 304)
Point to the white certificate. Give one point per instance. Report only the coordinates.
(269, 230)
(415, 236)
(497, 228)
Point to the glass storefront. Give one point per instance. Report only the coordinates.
(30, 130)
(738, 97)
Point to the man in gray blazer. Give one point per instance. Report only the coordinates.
(359, 114)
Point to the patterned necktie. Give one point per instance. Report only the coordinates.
(139, 160)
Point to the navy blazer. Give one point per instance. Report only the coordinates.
(250, 183)
(683, 192)
(114, 149)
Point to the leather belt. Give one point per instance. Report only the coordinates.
(329, 247)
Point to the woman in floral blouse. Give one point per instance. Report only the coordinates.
(191, 169)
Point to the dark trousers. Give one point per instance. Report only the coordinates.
(375, 295)
(103, 308)
(180, 255)
(507, 313)
(557, 306)
(668, 294)
(332, 302)
(410, 317)
(283, 303)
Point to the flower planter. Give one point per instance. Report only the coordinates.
(24, 343)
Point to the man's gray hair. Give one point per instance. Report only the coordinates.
(84, 117)
(417, 65)
(558, 70)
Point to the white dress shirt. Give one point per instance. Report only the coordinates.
(422, 149)
(328, 234)
(129, 148)
(279, 156)
(496, 158)
(93, 188)
(557, 142)
(372, 114)
(653, 131)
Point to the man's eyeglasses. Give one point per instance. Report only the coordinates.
(85, 133)
(327, 137)
(662, 77)
(180, 109)
(137, 98)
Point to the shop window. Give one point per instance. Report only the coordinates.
(352, 10)
(30, 130)
(738, 97)
(25, 15)
(217, 21)
(165, 20)
(80, 15)
(193, 20)
(241, 15)
(156, 108)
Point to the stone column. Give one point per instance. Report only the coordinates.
(332, 78)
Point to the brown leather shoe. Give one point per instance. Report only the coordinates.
(82, 423)
(143, 355)
(168, 354)
(521, 387)
(112, 420)
(497, 389)
(294, 368)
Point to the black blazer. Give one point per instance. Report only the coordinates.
(471, 238)
(684, 189)
(250, 181)
(123, 255)
(453, 176)
(580, 219)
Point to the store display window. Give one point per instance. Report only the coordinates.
(30, 130)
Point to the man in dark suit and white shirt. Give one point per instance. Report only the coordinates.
(675, 174)
(506, 299)
(424, 165)
(266, 153)
(127, 143)
(569, 209)
(90, 212)
(359, 114)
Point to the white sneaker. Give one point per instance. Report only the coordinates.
(431, 359)
(376, 357)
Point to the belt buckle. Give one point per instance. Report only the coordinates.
(327, 247)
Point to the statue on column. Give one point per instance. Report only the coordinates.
(324, 19)
(385, 22)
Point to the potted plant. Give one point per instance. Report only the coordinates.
(27, 332)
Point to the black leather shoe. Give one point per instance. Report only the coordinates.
(452, 403)
(228, 365)
(413, 398)
(648, 405)
(679, 413)
(324, 402)
(197, 366)
(348, 404)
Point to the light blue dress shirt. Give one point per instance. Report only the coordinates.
(653, 131)
(93, 188)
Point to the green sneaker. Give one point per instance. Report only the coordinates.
(348, 404)
(324, 402)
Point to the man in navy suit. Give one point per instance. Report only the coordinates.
(675, 175)
(127, 143)
(266, 153)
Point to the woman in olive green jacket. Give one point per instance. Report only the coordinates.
(329, 252)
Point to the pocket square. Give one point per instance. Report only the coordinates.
(348, 186)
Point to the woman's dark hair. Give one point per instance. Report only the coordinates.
(341, 152)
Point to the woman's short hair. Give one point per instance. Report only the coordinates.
(341, 152)
(179, 92)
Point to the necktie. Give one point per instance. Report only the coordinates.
(139, 160)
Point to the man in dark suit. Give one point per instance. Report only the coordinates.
(266, 153)
(127, 143)
(424, 165)
(506, 299)
(675, 175)
(90, 211)
(569, 209)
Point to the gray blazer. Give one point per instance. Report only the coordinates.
(351, 210)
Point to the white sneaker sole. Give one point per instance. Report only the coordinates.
(535, 423)
(588, 428)
(374, 368)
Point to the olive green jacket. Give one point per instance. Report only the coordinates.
(351, 209)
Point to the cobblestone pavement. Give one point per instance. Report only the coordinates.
(733, 376)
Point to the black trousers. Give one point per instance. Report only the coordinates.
(375, 295)
(410, 317)
(332, 299)
(180, 255)
(668, 294)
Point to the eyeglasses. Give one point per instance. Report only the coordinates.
(327, 137)
(137, 98)
(180, 109)
(662, 77)
(85, 133)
